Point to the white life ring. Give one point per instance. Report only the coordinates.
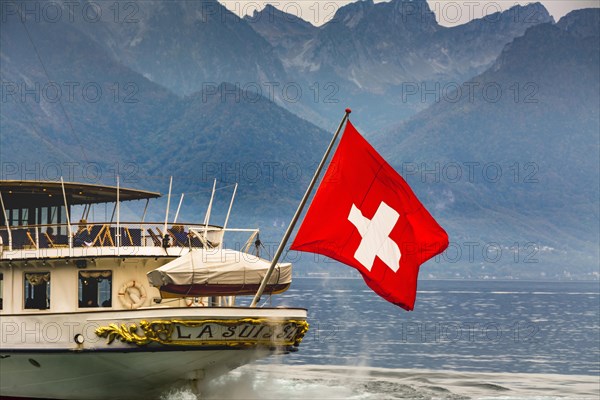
(194, 302)
(129, 298)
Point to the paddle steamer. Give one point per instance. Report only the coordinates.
(110, 309)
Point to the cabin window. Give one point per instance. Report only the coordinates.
(95, 289)
(58, 216)
(1, 289)
(19, 217)
(43, 216)
(37, 290)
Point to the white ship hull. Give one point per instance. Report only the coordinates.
(114, 375)
(119, 358)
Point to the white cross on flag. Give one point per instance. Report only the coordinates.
(366, 216)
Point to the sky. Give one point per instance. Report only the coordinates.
(448, 12)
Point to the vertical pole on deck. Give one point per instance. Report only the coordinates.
(6, 222)
(37, 241)
(228, 212)
(178, 207)
(145, 210)
(118, 205)
(209, 209)
(165, 233)
(70, 236)
(292, 224)
(142, 235)
(230, 206)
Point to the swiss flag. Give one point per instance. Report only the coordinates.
(366, 216)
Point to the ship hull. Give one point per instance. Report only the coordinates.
(139, 354)
(115, 375)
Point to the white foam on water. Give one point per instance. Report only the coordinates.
(315, 382)
(179, 394)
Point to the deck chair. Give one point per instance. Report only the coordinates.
(49, 240)
(103, 236)
(95, 232)
(30, 240)
(196, 242)
(46, 241)
(61, 241)
(126, 238)
(155, 238)
(176, 242)
(53, 243)
(135, 235)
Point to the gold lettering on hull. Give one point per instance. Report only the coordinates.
(246, 332)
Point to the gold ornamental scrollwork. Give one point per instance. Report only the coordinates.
(161, 332)
(125, 333)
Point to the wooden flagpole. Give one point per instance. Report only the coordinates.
(292, 224)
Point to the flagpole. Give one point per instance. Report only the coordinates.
(292, 224)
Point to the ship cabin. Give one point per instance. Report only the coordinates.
(52, 261)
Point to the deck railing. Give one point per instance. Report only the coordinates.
(111, 234)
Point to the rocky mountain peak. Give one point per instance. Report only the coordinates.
(582, 23)
(273, 15)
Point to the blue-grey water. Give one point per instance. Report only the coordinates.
(465, 339)
(491, 326)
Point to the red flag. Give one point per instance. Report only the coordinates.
(366, 216)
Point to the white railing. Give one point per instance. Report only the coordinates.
(125, 234)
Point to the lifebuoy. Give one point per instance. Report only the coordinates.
(129, 298)
(194, 302)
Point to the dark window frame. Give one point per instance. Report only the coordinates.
(89, 288)
(36, 290)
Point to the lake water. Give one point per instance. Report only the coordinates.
(480, 339)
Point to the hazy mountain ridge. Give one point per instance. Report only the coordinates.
(383, 57)
(247, 139)
(104, 102)
(363, 58)
(223, 132)
(544, 136)
(209, 43)
(285, 32)
(542, 132)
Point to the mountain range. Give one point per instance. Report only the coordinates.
(375, 46)
(70, 97)
(515, 159)
(188, 89)
(369, 56)
(374, 55)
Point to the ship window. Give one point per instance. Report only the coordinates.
(37, 290)
(13, 217)
(18, 217)
(95, 289)
(43, 215)
(24, 216)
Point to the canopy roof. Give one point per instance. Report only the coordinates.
(25, 194)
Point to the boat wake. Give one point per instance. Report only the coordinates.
(366, 383)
